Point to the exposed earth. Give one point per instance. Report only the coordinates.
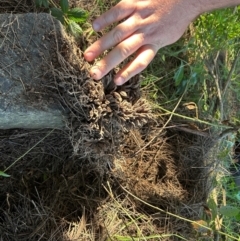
(115, 161)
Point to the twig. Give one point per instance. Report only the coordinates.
(216, 79)
(229, 78)
(194, 132)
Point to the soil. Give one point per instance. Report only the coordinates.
(114, 154)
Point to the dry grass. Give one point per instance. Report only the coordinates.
(82, 183)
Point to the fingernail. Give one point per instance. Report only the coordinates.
(96, 73)
(119, 81)
(89, 56)
(96, 27)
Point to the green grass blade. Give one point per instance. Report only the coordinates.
(179, 74)
(64, 5)
(3, 174)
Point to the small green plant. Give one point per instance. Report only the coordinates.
(71, 18)
(225, 32)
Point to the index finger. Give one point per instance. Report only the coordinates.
(120, 11)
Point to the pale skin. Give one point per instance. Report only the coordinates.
(148, 26)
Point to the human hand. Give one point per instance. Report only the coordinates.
(148, 26)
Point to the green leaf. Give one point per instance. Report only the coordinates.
(38, 3)
(213, 206)
(178, 76)
(3, 174)
(229, 211)
(74, 29)
(193, 79)
(64, 5)
(58, 14)
(45, 3)
(77, 15)
(238, 217)
(42, 3)
(238, 196)
(182, 87)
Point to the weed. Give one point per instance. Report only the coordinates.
(225, 32)
(71, 18)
